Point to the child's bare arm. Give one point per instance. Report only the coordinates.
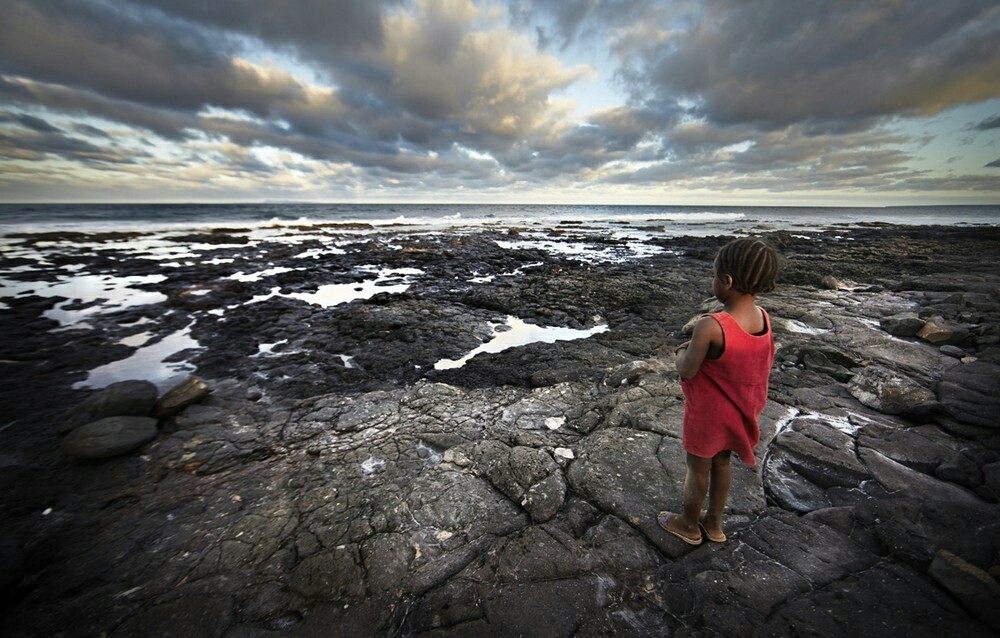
(691, 355)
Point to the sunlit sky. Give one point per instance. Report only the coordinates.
(826, 102)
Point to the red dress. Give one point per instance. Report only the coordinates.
(726, 396)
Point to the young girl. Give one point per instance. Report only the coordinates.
(724, 370)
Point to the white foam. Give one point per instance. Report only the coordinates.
(584, 251)
(519, 333)
(484, 279)
(257, 276)
(264, 349)
(793, 325)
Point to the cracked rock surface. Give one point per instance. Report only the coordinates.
(336, 483)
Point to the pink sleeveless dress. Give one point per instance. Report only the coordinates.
(724, 399)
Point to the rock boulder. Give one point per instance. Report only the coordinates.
(109, 437)
(905, 324)
(125, 398)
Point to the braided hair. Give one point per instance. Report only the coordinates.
(751, 262)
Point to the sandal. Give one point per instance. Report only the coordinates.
(663, 518)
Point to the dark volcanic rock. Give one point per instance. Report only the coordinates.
(527, 476)
(190, 390)
(335, 482)
(971, 393)
(109, 437)
(124, 398)
(891, 393)
(905, 324)
(974, 588)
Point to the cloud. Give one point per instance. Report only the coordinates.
(994, 164)
(33, 145)
(488, 80)
(576, 19)
(322, 29)
(989, 123)
(293, 96)
(699, 155)
(774, 63)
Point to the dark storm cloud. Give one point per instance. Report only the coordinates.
(325, 29)
(168, 124)
(138, 55)
(781, 160)
(36, 123)
(35, 145)
(438, 94)
(774, 63)
(92, 131)
(989, 123)
(158, 64)
(994, 164)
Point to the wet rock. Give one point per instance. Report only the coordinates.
(830, 282)
(895, 477)
(904, 324)
(941, 332)
(820, 362)
(923, 448)
(819, 452)
(974, 588)
(891, 393)
(883, 596)
(721, 590)
(953, 351)
(991, 479)
(12, 562)
(913, 529)
(109, 437)
(199, 615)
(124, 398)
(961, 470)
(971, 393)
(190, 390)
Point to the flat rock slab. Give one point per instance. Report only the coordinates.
(896, 477)
(885, 596)
(731, 588)
(889, 392)
(109, 437)
(975, 589)
(971, 393)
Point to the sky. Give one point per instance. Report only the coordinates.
(742, 102)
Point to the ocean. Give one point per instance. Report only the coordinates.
(674, 220)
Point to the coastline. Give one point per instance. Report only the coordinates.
(334, 476)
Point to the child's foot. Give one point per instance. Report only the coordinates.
(669, 524)
(714, 534)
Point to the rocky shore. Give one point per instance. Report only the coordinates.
(331, 479)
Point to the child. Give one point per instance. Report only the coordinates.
(724, 370)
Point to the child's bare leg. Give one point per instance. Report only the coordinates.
(718, 492)
(696, 483)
